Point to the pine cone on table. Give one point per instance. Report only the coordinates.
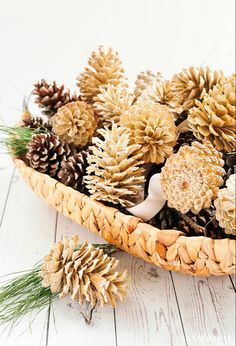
(86, 273)
(72, 171)
(50, 97)
(193, 84)
(46, 152)
(104, 68)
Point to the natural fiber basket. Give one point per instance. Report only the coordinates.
(169, 249)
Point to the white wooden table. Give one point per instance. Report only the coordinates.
(162, 308)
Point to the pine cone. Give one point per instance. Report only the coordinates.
(50, 97)
(111, 102)
(72, 171)
(37, 123)
(214, 119)
(104, 68)
(162, 93)
(86, 273)
(146, 80)
(114, 173)
(75, 123)
(193, 84)
(185, 138)
(225, 206)
(45, 152)
(152, 126)
(191, 178)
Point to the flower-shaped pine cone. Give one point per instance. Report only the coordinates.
(151, 126)
(191, 178)
(75, 123)
(214, 119)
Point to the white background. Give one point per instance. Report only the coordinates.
(53, 39)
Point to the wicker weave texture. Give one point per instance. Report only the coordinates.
(169, 249)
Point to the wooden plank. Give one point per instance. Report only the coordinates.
(70, 321)
(25, 237)
(207, 309)
(149, 316)
(6, 173)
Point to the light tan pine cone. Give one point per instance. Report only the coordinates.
(111, 102)
(193, 84)
(85, 272)
(75, 123)
(191, 178)
(115, 172)
(104, 68)
(146, 80)
(151, 126)
(214, 119)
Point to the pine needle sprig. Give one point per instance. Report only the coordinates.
(15, 139)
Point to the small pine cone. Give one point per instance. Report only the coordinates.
(225, 206)
(111, 102)
(193, 84)
(46, 151)
(75, 123)
(115, 172)
(151, 126)
(191, 178)
(185, 138)
(146, 80)
(85, 272)
(50, 97)
(72, 171)
(104, 68)
(214, 118)
(162, 93)
(37, 123)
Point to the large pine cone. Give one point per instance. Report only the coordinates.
(214, 119)
(115, 172)
(86, 273)
(46, 152)
(104, 68)
(72, 171)
(193, 84)
(50, 97)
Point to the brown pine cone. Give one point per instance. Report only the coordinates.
(50, 97)
(185, 138)
(72, 171)
(46, 152)
(37, 123)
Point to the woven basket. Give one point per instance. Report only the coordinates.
(169, 249)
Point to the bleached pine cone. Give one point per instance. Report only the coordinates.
(115, 172)
(214, 119)
(111, 102)
(104, 68)
(162, 93)
(225, 206)
(151, 126)
(75, 123)
(191, 178)
(146, 80)
(86, 273)
(193, 84)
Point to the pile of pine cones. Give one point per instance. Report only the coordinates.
(107, 141)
